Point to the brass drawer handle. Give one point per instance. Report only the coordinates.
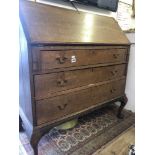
(115, 56)
(62, 107)
(61, 82)
(112, 90)
(93, 52)
(114, 72)
(61, 59)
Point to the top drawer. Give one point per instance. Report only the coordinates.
(47, 60)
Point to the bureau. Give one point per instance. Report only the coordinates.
(70, 64)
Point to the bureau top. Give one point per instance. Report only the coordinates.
(46, 24)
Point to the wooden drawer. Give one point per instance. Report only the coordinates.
(48, 84)
(47, 60)
(57, 107)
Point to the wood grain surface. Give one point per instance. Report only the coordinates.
(52, 25)
(48, 60)
(48, 84)
(59, 106)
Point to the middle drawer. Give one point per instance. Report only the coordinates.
(48, 84)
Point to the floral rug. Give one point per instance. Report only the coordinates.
(92, 132)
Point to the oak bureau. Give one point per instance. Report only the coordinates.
(70, 64)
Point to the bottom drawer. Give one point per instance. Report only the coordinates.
(59, 106)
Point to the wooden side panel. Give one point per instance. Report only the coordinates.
(24, 79)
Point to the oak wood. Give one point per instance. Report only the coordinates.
(123, 101)
(54, 108)
(54, 25)
(55, 70)
(48, 84)
(61, 47)
(63, 92)
(47, 60)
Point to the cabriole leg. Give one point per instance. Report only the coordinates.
(34, 141)
(20, 124)
(35, 148)
(123, 101)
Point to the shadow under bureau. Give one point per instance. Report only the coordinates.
(70, 64)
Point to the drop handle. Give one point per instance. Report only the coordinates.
(114, 72)
(62, 107)
(61, 59)
(112, 90)
(61, 82)
(115, 56)
(93, 52)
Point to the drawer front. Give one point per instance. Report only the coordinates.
(60, 106)
(47, 60)
(48, 84)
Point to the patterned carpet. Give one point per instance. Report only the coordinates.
(93, 131)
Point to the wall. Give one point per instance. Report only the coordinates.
(130, 83)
